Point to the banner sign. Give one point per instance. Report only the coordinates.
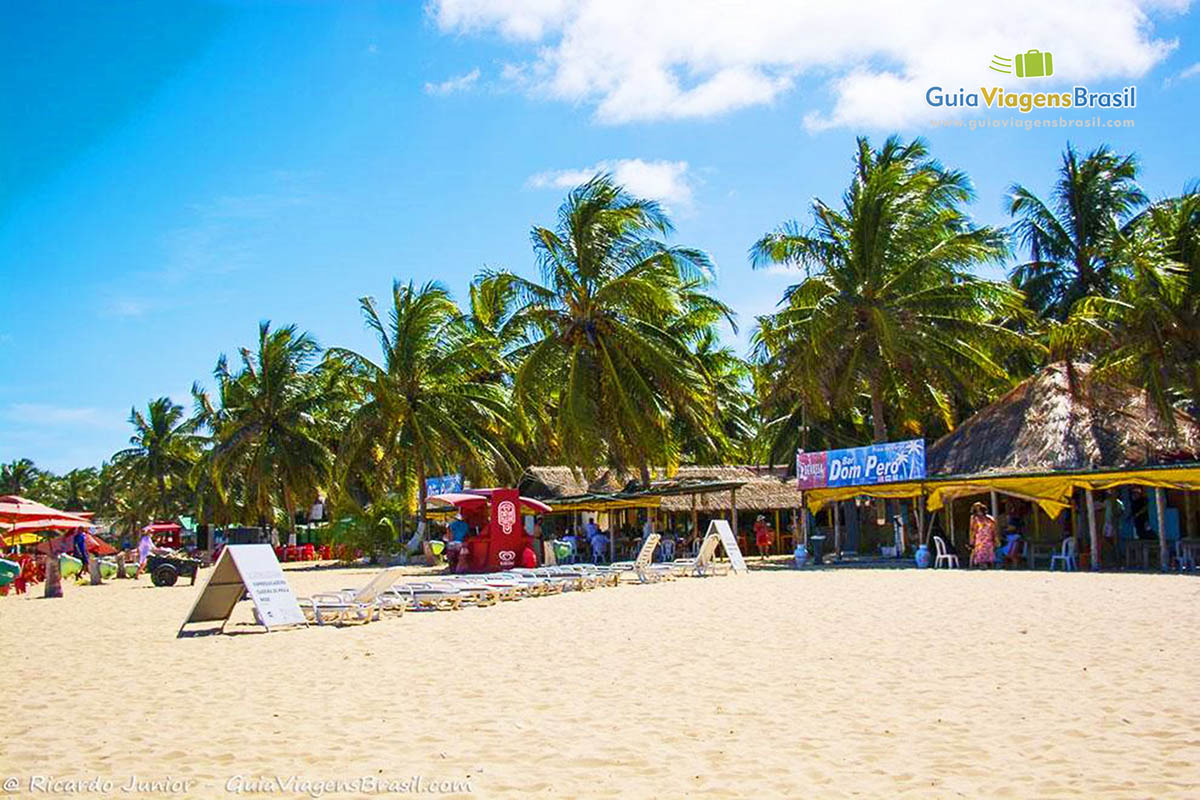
(887, 462)
(444, 484)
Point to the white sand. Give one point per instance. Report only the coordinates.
(818, 684)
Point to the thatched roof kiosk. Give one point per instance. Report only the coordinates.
(1060, 419)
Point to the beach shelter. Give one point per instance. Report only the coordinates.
(1060, 430)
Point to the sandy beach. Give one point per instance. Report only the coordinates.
(836, 683)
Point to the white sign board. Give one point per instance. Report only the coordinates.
(252, 569)
(729, 542)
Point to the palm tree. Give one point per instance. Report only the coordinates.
(267, 432)
(1072, 237)
(599, 373)
(1147, 330)
(163, 449)
(432, 404)
(77, 489)
(888, 306)
(17, 476)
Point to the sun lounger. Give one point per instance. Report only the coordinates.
(349, 605)
(705, 562)
(439, 596)
(643, 567)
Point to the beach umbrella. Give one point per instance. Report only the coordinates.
(15, 509)
(95, 545)
(162, 527)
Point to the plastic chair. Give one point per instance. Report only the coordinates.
(667, 548)
(944, 556)
(1184, 558)
(1066, 557)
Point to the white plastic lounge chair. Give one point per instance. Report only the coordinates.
(944, 556)
(1066, 556)
(644, 567)
(439, 596)
(705, 562)
(349, 605)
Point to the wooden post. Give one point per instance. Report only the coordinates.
(950, 517)
(995, 507)
(1188, 530)
(921, 539)
(1160, 503)
(778, 539)
(837, 531)
(733, 512)
(1094, 534)
(695, 517)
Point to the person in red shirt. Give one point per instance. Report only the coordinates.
(763, 536)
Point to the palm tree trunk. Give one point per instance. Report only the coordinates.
(162, 497)
(877, 420)
(420, 492)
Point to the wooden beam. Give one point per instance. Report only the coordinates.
(995, 507)
(1094, 534)
(1160, 503)
(837, 531)
(778, 538)
(733, 511)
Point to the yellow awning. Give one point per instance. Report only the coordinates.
(1052, 492)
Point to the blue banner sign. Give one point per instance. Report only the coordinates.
(444, 484)
(888, 462)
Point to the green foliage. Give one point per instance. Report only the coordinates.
(889, 308)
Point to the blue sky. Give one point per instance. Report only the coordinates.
(172, 173)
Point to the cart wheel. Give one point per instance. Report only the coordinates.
(164, 575)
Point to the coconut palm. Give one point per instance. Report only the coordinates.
(1147, 330)
(888, 307)
(267, 429)
(163, 449)
(1072, 238)
(18, 476)
(433, 403)
(600, 374)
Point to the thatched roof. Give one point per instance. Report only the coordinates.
(1059, 419)
(758, 488)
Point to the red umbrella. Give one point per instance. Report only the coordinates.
(95, 545)
(162, 527)
(14, 509)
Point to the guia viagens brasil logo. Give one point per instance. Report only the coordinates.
(1030, 64)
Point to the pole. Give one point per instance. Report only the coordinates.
(695, 517)
(837, 531)
(733, 511)
(1095, 536)
(950, 518)
(1160, 503)
(921, 538)
(778, 533)
(995, 507)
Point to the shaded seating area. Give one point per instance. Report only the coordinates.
(1060, 457)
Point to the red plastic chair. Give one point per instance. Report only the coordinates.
(281, 553)
(310, 552)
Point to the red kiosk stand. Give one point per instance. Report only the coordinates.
(502, 540)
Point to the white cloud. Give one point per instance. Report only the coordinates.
(666, 181)
(873, 60)
(1183, 75)
(128, 307)
(452, 85)
(44, 415)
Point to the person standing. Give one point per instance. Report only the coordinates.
(80, 551)
(763, 537)
(144, 548)
(984, 537)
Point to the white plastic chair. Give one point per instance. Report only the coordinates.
(1184, 558)
(944, 556)
(1066, 557)
(667, 546)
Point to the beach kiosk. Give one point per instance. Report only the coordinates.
(496, 515)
